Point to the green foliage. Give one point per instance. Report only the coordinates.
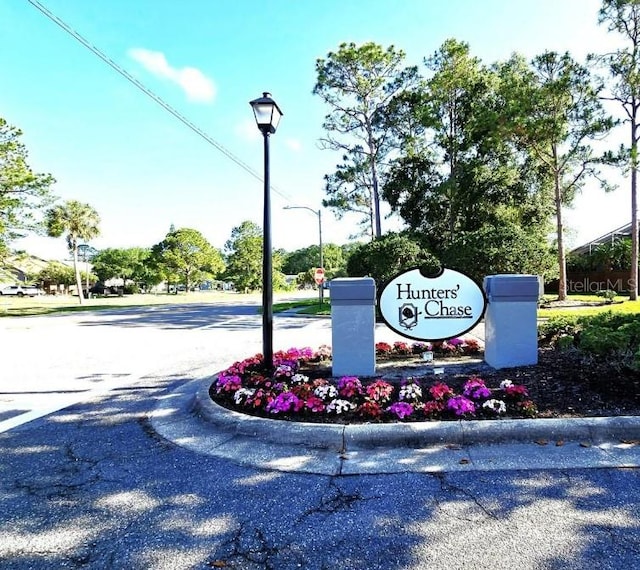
(357, 83)
(385, 257)
(186, 253)
(131, 264)
(608, 294)
(493, 250)
(555, 115)
(623, 66)
(457, 171)
(57, 273)
(613, 256)
(305, 259)
(244, 259)
(79, 221)
(23, 193)
(611, 335)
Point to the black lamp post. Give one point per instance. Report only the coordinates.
(319, 214)
(268, 116)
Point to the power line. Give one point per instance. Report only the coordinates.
(44, 10)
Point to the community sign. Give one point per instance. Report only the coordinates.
(432, 308)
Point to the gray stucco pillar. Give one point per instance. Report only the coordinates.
(511, 326)
(353, 302)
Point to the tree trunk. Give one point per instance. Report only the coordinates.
(76, 268)
(633, 276)
(562, 265)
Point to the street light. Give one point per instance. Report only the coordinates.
(319, 214)
(267, 114)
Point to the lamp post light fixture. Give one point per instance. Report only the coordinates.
(267, 114)
(319, 214)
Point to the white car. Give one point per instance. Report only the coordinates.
(21, 290)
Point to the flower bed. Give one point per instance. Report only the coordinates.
(291, 392)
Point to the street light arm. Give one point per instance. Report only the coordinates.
(316, 212)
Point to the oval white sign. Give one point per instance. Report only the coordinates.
(432, 308)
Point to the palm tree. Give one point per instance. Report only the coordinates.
(80, 222)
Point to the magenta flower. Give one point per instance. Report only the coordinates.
(475, 388)
(228, 383)
(461, 406)
(400, 409)
(349, 386)
(285, 402)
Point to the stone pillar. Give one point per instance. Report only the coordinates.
(353, 320)
(511, 326)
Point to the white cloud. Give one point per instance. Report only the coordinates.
(294, 144)
(196, 85)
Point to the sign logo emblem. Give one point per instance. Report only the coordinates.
(432, 308)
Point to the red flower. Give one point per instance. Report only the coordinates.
(369, 410)
(314, 404)
(440, 391)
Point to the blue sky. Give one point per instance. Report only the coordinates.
(110, 145)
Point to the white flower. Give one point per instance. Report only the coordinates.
(505, 384)
(283, 370)
(496, 406)
(340, 406)
(410, 392)
(326, 392)
(242, 394)
(299, 379)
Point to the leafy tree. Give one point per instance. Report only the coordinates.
(357, 83)
(623, 17)
(505, 248)
(187, 253)
(457, 172)
(385, 257)
(305, 259)
(244, 259)
(23, 192)
(56, 273)
(557, 115)
(79, 221)
(130, 264)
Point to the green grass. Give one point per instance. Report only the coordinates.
(47, 305)
(621, 304)
(306, 306)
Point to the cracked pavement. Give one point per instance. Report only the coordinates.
(93, 486)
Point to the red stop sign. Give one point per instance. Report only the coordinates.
(318, 275)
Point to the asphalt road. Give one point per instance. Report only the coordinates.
(92, 485)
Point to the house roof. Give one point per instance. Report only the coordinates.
(609, 237)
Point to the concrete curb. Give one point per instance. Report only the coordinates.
(415, 434)
(190, 419)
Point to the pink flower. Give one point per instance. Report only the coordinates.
(314, 404)
(440, 391)
(349, 386)
(379, 391)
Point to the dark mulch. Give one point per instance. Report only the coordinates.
(568, 384)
